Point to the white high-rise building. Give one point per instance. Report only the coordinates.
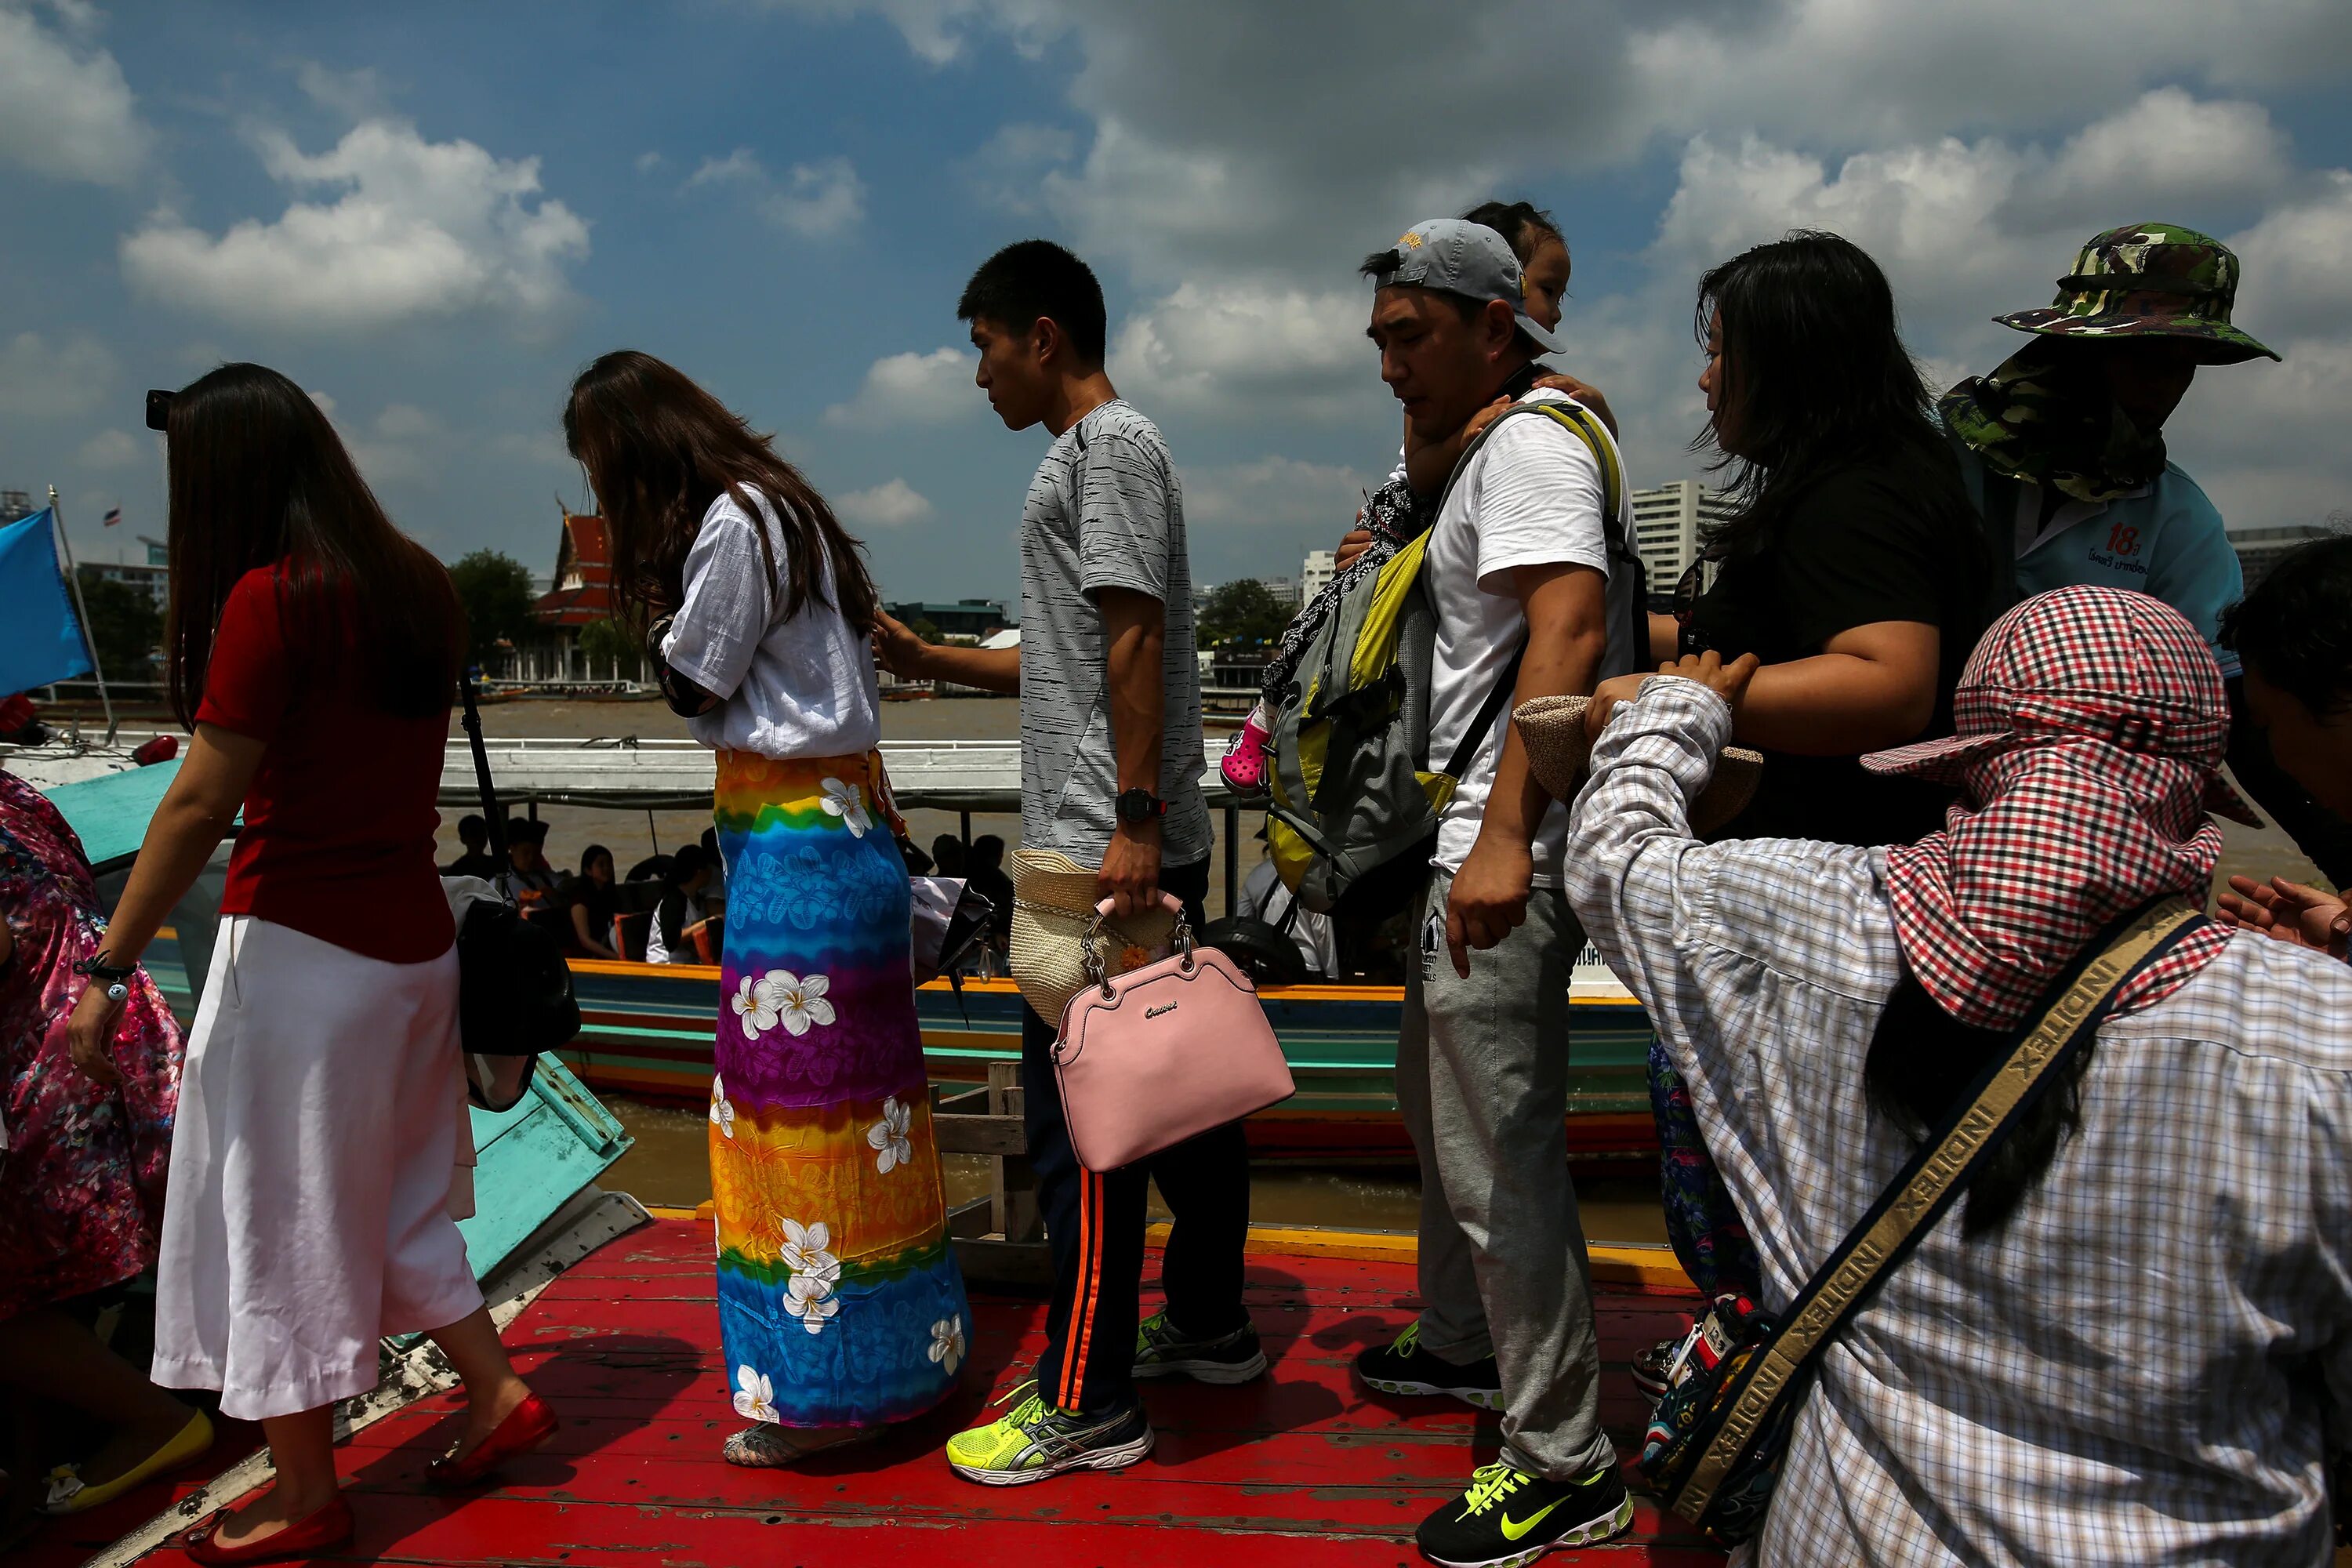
(1316, 574)
(1667, 522)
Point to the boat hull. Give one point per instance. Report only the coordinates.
(647, 1030)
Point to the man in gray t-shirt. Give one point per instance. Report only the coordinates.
(1110, 775)
(1104, 511)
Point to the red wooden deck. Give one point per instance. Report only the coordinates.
(1303, 1470)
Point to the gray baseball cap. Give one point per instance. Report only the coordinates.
(1466, 258)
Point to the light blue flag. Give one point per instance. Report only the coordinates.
(40, 639)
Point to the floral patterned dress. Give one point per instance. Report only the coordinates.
(81, 1171)
(839, 1298)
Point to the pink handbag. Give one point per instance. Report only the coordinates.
(1155, 1055)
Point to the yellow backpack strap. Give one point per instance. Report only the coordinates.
(1580, 420)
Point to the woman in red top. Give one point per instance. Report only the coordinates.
(312, 647)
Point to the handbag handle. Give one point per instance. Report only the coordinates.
(1098, 975)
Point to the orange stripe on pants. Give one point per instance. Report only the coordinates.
(1082, 1323)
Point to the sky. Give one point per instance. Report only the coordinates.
(431, 216)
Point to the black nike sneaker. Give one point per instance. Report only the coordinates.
(1405, 1368)
(1508, 1518)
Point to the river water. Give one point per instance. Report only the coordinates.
(669, 1162)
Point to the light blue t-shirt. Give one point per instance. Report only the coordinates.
(2165, 539)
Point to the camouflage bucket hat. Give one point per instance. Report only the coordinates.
(2149, 279)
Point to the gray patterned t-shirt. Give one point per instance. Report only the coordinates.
(1104, 511)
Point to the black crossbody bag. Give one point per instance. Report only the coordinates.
(514, 988)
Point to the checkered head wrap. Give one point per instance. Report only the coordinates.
(2091, 724)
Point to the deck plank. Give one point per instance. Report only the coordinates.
(1303, 1471)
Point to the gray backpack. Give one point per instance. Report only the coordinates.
(1356, 804)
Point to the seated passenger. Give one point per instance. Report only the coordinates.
(587, 903)
(985, 876)
(671, 938)
(1263, 898)
(527, 880)
(476, 861)
(948, 856)
(2120, 1345)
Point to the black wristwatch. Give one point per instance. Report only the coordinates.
(1139, 805)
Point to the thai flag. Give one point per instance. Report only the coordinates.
(113, 516)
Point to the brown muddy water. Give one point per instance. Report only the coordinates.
(669, 1162)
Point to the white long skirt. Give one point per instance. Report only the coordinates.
(308, 1213)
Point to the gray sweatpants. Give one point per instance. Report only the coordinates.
(1482, 1080)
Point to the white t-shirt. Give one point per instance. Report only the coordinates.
(1529, 496)
(802, 687)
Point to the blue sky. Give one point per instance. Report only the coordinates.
(431, 215)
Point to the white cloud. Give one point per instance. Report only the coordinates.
(2297, 278)
(65, 110)
(422, 230)
(816, 199)
(934, 388)
(648, 162)
(113, 450)
(1238, 349)
(1283, 498)
(355, 95)
(40, 378)
(894, 503)
(1011, 169)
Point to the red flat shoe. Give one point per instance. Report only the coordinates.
(527, 1425)
(328, 1528)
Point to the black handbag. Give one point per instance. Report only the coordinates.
(1714, 1448)
(514, 988)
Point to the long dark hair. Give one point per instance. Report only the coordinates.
(1813, 373)
(258, 478)
(659, 450)
(1922, 1059)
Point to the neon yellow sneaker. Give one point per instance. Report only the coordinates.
(1509, 1517)
(1034, 1440)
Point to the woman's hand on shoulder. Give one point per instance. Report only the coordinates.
(1728, 681)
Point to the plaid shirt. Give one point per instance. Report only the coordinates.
(2131, 1370)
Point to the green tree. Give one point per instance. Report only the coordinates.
(1245, 610)
(125, 627)
(607, 645)
(495, 591)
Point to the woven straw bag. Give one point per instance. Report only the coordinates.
(1052, 912)
(1552, 730)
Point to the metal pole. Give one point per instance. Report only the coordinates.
(1233, 858)
(73, 581)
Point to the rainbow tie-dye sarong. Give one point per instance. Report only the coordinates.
(839, 1300)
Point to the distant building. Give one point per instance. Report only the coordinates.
(1284, 589)
(154, 581)
(2259, 549)
(964, 618)
(16, 504)
(1667, 524)
(1315, 574)
(579, 597)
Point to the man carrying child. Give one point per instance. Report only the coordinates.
(1518, 571)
